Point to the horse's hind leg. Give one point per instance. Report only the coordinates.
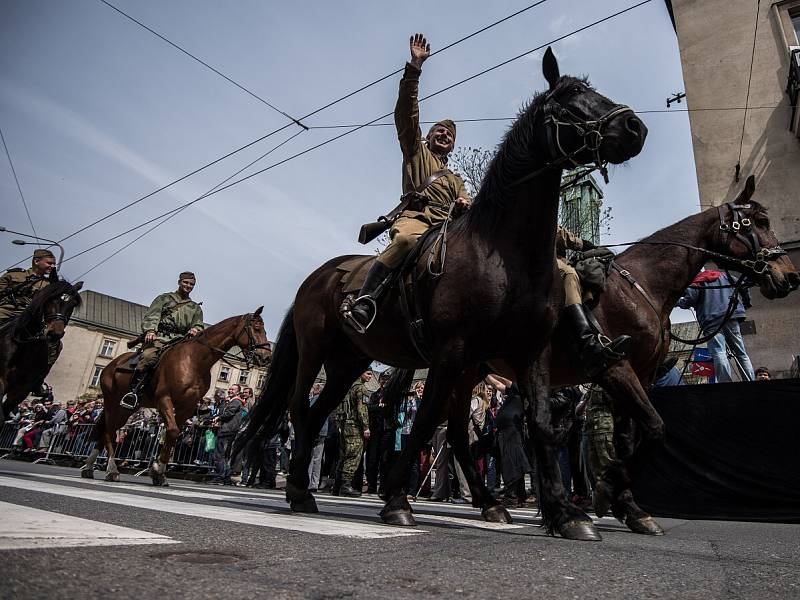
(158, 469)
(558, 513)
(640, 419)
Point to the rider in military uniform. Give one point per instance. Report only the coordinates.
(353, 422)
(171, 316)
(595, 350)
(17, 288)
(424, 170)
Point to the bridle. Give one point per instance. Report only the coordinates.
(741, 228)
(65, 298)
(249, 353)
(556, 118)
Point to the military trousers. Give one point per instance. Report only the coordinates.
(150, 354)
(571, 282)
(351, 449)
(404, 235)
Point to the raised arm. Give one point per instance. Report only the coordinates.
(406, 111)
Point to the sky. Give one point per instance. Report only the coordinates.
(97, 112)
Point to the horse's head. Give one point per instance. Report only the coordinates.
(252, 339)
(58, 305)
(744, 233)
(583, 126)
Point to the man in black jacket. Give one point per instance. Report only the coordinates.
(229, 419)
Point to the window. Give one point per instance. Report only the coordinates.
(262, 377)
(107, 349)
(796, 24)
(224, 374)
(95, 380)
(243, 377)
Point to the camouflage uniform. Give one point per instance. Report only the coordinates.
(566, 240)
(600, 430)
(352, 418)
(170, 316)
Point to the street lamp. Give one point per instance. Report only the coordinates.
(25, 243)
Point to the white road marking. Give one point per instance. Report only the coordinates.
(26, 527)
(306, 524)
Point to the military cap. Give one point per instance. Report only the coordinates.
(42, 253)
(187, 275)
(447, 124)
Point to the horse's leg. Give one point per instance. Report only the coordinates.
(341, 374)
(438, 387)
(558, 513)
(613, 491)
(458, 422)
(159, 467)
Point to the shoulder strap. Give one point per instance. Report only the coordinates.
(431, 178)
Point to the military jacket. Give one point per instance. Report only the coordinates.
(566, 240)
(419, 162)
(352, 412)
(17, 288)
(171, 316)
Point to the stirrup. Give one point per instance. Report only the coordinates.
(129, 401)
(353, 322)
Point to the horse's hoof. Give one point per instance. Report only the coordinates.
(496, 514)
(603, 497)
(399, 517)
(87, 473)
(160, 481)
(307, 505)
(646, 526)
(583, 531)
(112, 476)
(297, 494)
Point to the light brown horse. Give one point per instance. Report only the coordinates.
(181, 378)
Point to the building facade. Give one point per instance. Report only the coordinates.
(100, 330)
(741, 69)
(580, 207)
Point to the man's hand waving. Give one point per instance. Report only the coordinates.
(420, 50)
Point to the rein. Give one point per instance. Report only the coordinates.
(248, 353)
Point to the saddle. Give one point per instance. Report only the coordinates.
(405, 278)
(129, 366)
(593, 267)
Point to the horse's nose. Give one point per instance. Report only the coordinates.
(636, 126)
(794, 279)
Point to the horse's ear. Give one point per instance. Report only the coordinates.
(258, 311)
(550, 68)
(749, 188)
(78, 286)
(52, 277)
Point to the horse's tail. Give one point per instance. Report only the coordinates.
(273, 401)
(394, 390)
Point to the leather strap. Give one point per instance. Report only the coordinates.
(431, 178)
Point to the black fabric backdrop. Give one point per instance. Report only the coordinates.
(731, 453)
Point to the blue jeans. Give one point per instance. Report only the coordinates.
(731, 334)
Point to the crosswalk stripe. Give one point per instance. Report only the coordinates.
(26, 527)
(259, 499)
(306, 524)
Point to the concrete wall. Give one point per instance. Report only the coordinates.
(716, 45)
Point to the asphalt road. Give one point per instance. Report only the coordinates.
(64, 537)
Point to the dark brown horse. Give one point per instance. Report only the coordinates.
(24, 340)
(663, 265)
(181, 378)
(494, 300)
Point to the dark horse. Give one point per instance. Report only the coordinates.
(505, 243)
(24, 339)
(638, 299)
(181, 378)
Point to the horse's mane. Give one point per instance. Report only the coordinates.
(512, 160)
(33, 312)
(220, 325)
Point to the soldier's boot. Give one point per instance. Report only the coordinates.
(348, 490)
(131, 400)
(337, 485)
(361, 312)
(596, 351)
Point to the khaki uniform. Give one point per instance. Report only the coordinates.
(600, 430)
(17, 288)
(171, 317)
(419, 163)
(566, 240)
(352, 418)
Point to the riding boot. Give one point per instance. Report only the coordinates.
(131, 399)
(595, 350)
(361, 314)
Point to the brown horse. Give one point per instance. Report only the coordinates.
(24, 340)
(638, 299)
(182, 377)
(495, 298)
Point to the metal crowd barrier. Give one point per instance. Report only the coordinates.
(137, 446)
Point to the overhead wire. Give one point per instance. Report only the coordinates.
(19, 187)
(738, 166)
(375, 120)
